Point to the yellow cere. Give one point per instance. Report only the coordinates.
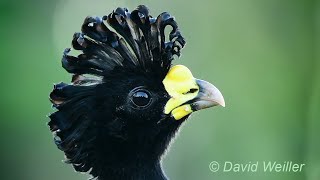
(178, 83)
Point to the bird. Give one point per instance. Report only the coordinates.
(126, 100)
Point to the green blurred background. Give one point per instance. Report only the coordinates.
(262, 54)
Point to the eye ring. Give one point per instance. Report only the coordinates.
(140, 97)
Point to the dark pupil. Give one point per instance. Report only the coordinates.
(140, 98)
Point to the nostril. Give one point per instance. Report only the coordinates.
(192, 90)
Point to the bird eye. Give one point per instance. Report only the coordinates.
(141, 98)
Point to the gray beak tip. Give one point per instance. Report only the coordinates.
(209, 95)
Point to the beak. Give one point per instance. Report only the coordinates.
(188, 94)
(208, 96)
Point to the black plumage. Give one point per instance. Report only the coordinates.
(110, 119)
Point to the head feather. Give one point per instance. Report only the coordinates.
(138, 42)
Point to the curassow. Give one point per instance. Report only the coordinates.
(126, 100)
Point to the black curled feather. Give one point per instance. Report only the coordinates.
(138, 42)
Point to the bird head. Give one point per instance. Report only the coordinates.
(126, 100)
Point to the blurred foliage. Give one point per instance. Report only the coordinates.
(262, 54)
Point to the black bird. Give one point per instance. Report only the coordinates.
(126, 100)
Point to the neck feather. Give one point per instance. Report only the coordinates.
(134, 171)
